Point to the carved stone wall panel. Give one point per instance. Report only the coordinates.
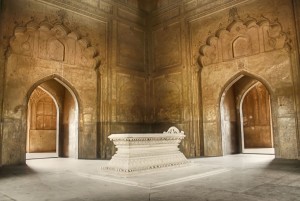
(253, 31)
(241, 39)
(55, 42)
(130, 98)
(130, 47)
(167, 94)
(167, 47)
(23, 43)
(214, 35)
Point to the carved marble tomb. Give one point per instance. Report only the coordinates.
(140, 153)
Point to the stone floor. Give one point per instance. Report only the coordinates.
(244, 177)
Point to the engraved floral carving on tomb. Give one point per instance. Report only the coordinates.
(53, 42)
(242, 38)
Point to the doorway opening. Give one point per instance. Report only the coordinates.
(52, 121)
(246, 117)
(256, 121)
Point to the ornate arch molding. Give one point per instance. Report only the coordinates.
(53, 42)
(242, 38)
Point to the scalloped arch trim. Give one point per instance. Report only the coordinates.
(53, 42)
(241, 39)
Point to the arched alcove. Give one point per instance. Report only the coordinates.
(68, 114)
(41, 51)
(243, 49)
(245, 117)
(256, 120)
(42, 123)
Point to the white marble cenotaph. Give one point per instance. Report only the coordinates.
(141, 153)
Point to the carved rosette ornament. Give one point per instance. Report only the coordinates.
(242, 38)
(53, 42)
(140, 153)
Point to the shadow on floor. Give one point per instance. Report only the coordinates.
(285, 164)
(15, 170)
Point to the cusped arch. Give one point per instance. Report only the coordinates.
(54, 42)
(242, 38)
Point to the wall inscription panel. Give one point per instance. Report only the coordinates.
(167, 46)
(130, 47)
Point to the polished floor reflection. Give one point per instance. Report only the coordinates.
(236, 177)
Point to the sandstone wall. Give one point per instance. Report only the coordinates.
(67, 41)
(212, 43)
(130, 71)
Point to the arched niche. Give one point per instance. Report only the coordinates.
(42, 122)
(246, 117)
(266, 62)
(68, 105)
(30, 63)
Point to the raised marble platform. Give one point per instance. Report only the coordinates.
(141, 153)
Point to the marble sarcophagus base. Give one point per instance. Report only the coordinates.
(140, 153)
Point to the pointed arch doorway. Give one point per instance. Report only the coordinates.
(256, 121)
(246, 117)
(52, 120)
